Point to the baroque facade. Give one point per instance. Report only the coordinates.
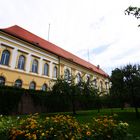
(31, 62)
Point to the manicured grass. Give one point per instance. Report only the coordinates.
(126, 115)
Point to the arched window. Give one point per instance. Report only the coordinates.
(32, 85)
(5, 57)
(18, 83)
(44, 87)
(35, 66)
(2, 81)
(67, 74)
(46, 69)
(95, 82)
(21, 62)
(55, 72)
(79, 78)
(88, 79)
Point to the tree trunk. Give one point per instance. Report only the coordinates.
(73, 105)
(137, 113)
(134, 102)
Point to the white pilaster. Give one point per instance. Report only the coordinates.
(40, 66)
(28, 63)
(51, 70)
(14, 57)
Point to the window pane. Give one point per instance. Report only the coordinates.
(5, 57)
(46, 69)
(88, 79)
(2, 81)
(32, 85)
(67, 74)
(35, 66)
(44, 87)
(18, 83)
(79, 78)
(21, 62)
(55, 72)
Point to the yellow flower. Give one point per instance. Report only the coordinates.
(126, 124)
(108, 136)
(88, 133)
(28, 135)
(66, 136)
(35, 114)
(34, 136)
(72, 138)
(33, 126)
(51, 128)
(42, 134)
(86, 126)
(47, 118)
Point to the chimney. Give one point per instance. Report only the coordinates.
(98, 66)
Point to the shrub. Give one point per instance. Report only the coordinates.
(7, 123)
(107, 128)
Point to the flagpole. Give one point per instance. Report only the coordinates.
(49, 32)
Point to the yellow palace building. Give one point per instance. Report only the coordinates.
(31, 62)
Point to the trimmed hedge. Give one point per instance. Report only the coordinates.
(50, 101)
(9, 99)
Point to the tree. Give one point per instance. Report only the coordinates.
(135, 11)
(68, 88)
(126, 85)
(118, 87)
(91, 94)
(132, 81)
(82, 92)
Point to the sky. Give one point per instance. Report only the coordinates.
(98, 31)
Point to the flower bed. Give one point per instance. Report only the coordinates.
(61, 127)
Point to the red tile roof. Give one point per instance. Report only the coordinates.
(36, 40)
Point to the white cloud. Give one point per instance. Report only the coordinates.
(79, 26)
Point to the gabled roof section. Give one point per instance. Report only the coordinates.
(29, 37)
